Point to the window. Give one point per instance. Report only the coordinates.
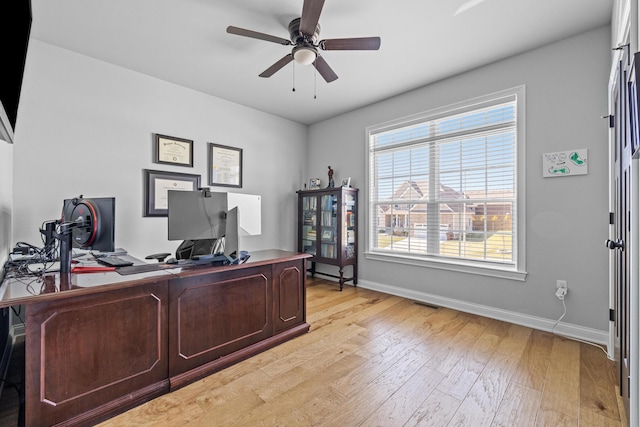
(445, 187)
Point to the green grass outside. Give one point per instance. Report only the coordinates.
(498, 246)
(385, 240)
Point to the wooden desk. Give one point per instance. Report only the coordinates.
(105, 343)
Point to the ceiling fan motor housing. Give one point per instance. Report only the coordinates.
(304, 50)
(299, 38)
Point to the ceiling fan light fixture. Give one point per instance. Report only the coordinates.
(304, 55)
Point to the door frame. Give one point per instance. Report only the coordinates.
(613, 81)
(634, 220)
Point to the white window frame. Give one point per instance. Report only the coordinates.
(517, 271)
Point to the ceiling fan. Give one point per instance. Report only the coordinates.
(304, 33)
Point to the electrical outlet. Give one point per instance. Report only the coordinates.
(562, 290)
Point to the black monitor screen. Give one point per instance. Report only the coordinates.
(92, 222)
(196, 215)
(231, 237)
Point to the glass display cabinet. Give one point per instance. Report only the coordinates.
(328, 230)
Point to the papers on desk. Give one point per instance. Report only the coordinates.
(78, 265)
(116, 252)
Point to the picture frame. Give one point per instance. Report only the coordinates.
(156, 187)
(170, 150)
(327, 234)
(346, 182)
(314, 183)
(225, 166)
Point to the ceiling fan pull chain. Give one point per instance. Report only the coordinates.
(315, 75)
(293, 78)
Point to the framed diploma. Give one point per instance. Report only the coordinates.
(173, 151)
(157, 185)
(225, 166)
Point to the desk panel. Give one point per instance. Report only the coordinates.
(84, 352)
(217, 314)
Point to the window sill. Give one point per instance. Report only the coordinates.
(461, 267)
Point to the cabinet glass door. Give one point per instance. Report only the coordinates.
(349, 226)
(328, 224)
(309, 224)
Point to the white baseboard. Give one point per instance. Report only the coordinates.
(565, 329)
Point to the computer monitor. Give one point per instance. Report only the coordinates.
(91, 222)
(196, 215)
(231, 235)
(201, 219)
(87, 223)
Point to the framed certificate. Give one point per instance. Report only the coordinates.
(157, 186)
(170, 150)
(225, 166)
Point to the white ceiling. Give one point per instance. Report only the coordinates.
(185, 42)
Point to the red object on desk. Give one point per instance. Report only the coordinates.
(94, 269)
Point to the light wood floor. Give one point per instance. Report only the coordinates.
(372, 359)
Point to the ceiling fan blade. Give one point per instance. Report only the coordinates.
(324, 69)
(257, 35)
(278, 65)
(360, 43)
(311, 10)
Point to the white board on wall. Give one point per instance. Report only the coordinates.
(565, 163)
(249, 212)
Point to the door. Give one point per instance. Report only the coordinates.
(621, 241)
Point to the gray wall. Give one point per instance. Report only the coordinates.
(87, 128)
(566, 218)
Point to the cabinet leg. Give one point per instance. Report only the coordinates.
(355, 274)
(341, 278)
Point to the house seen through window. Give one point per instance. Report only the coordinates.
(443, 186)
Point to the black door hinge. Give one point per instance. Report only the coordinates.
(612, 122)
(612, 315)
(612, 218)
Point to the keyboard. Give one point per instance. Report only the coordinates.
(114, 261)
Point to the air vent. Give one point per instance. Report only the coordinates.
(425, 304)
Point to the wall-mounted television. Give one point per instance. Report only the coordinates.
(14, 31)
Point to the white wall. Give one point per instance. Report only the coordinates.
(566, 95)
(87, 128)
(6, 196)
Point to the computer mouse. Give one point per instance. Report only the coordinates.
(171, 261)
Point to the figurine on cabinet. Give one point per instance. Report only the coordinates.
(331, 182)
